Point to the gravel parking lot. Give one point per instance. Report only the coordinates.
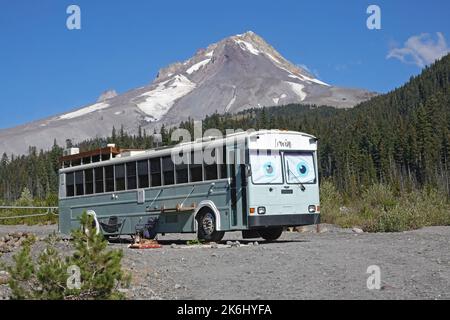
(328, 265)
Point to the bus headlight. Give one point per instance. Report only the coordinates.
(312, 209)
(261, 210)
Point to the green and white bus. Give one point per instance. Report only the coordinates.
(257, 182)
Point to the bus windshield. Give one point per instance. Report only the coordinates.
(266, 167)
(299, 167)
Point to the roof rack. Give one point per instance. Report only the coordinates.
(97, 155)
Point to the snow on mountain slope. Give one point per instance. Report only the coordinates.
(197, 66)
(234, 74)
(84, 111)
(159, 100)
(247, 46)
(298, 89)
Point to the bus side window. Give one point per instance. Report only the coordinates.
(195, 167)
(119, 170)
(131, 176)
(99, 180)
(155, 169)
(143, 174)
(79, 186)
(210, 168)
(168, 170)
(182, 173)
(89, 181)
(109, 178)
(70, 184)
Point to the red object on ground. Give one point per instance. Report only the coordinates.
(145, 246)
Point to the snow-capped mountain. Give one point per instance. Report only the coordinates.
(237, 73)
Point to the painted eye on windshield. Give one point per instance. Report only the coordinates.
(302, 168)
(269, 170)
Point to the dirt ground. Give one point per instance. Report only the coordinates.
(328, 265)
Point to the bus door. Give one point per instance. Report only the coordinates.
(238, 187)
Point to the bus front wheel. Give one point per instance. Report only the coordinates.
(207, 227)
(271, 234)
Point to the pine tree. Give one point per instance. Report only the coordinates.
(100, 269)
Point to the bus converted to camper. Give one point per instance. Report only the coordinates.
(255, 182)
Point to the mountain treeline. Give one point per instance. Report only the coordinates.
(37, 172)
(400, 139)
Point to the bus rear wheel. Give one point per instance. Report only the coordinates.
(271, 234)
(207, 227)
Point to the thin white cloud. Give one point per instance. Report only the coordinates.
(421, 50)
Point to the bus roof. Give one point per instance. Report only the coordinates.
(124, 155)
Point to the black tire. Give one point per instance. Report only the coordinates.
(206, 222)
(271, 234)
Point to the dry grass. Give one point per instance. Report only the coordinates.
(379, 209)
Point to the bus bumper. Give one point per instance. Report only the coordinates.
(283, 220)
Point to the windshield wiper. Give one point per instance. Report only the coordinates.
(301, 185)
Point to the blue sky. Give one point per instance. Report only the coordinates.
(47, 69)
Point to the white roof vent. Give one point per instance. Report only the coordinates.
(71, 151)
(130, 153)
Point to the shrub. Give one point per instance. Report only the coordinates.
(379, 196)
(330, 202)
(379, 209)
(195, 242)
(100, 272)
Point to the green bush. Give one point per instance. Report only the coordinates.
(330, 202)
(195, 242)
(410, 211)
(380, 209)
(379, 196)
(100, 271)
(333, 209)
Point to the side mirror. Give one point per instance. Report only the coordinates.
(248, 170)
